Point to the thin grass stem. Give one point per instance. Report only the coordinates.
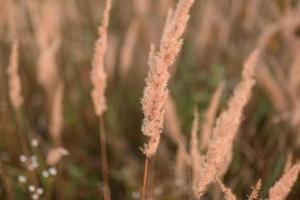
(104, 160)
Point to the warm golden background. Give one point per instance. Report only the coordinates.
(60, 34)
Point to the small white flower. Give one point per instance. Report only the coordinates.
(135, 194)
(33, 158)
(52, 171)
(35, 165)
(34, 142)
(5, 156)
(158, 191)
(23, 158)
(35, 196)
(40, 191)
(22, 179)
(45, 174)
(30, 167)
(31, 188)
(34, 162)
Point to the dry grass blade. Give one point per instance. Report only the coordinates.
(15, 94)
(194, 147)
(227, 191)
(294, 73)
(272, 88)
(282, 188)
(173, 127)
(173, 130)
(288, 162)
(180, 173)
(56, 118)
(210, 116)
(128, 48)
(294, 88)
(47, 72)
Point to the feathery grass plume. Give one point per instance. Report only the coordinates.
(194, 147)
(98, 75)
(47, 72)
(56, 118)
(255, 191)
(156, 91)
(226, 128)
(15, 94)
(99, 81)
(227, 191)
(210, 116)
(282, 188)
(55, 155)
(46, 27)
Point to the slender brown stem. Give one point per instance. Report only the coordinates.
(145, 179)
(22, 134)
(7, 184)
(24, 143)
(104, 161)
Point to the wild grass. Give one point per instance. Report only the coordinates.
(211, 88)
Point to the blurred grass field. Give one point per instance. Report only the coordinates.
(219, 37)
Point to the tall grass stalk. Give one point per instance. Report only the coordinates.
(16, 99)
(104, 160)
(144, 189)
(156, 89)
(99, 81)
